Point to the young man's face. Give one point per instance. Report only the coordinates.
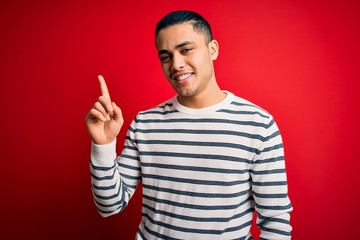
(186, 59)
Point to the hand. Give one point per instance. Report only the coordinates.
(104, 120)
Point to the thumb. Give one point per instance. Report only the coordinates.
(117, 113)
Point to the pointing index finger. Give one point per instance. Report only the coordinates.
(103, 87)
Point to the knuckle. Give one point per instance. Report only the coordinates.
(97, 105)
(102, 99)
(93, 112)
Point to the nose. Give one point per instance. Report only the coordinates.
(177, 62)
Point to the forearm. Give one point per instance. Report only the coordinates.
(272, 202)
(109, 192)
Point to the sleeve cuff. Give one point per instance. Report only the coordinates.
(103, 155)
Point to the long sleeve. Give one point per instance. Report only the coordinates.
(114, 178)
(270, 187)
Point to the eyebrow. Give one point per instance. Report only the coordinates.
(180, 45)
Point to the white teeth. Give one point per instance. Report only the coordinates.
(182, 77)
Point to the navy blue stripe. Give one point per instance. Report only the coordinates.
(102, 168)
(195, 181)
(108, 177)
(198, 207)
(141, 234)
(275, 134)
(248, 105)
(194, 230)
(104, 187)
(203, 120)
(118, 203)
(198, 219)
(198, 156)
(266, 220)
(273, 195)
(130, 157)
(265, 172)
(211, 132)
(280, 232)
(111, 196)
(202, 144)
(278, 183)
(131, 144)
(269, 160)
(158, 112)
(112, 211)
(129, 167)
(272, 122)
(287, 207)
(130, 147)
(194, 168)
(130, 177)
(195, 194)
(275, 147)
(165, 105)
(243, 112)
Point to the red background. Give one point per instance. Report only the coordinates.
(298, 60)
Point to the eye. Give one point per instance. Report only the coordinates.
(186, 50)
(164, 58)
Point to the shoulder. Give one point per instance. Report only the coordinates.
(161, 109)
(240, 106)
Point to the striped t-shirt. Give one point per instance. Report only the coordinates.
(203, 172)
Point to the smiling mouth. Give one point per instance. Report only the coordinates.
(183, 77)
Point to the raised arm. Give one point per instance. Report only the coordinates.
(114, 178)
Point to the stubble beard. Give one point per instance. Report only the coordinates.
(187, 91)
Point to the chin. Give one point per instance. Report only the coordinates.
(186, 93)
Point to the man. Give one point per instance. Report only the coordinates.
(207, 159)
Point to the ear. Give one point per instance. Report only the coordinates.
(214, 49)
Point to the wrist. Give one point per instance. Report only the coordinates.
(104, 153)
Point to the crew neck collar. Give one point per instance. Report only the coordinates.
(202, 111)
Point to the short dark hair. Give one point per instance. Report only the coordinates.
(183, 16)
